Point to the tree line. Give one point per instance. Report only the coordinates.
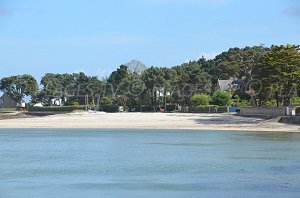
(265, 75)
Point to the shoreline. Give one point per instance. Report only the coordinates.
(159, 121)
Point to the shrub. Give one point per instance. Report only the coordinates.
(245, 103)
(75, 104)
(109, 108)
(298, 111)
(106, 101)
(270, 103)
(207, 109)
(221, 98)
(147, 109)
(57, 109)
(200, 100)
(295, 100)
(170, 108)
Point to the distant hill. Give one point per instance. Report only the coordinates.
(136, 66)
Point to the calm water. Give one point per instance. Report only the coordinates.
(118, 163)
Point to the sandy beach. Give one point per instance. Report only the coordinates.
(150, 121)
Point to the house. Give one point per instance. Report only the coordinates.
(58, 101)
(229, 84)
(160, 92)
(7, 102)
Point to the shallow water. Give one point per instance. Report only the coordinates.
(145, 163)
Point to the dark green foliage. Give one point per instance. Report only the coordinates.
(20, 86)
(56, 109)
(207, 109)
(75, 104)
(238, 63)
(109, 108)
(279, 72)
(75, 87)
(170, 108)
(146, 109)
(298, 111)
(106, 101)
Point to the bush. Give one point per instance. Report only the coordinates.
(56, 109)
(298, 111)
(147, 109)
(295, 100)
(245, 103)
(221, 98)
(270, 103)
(200, 100)
(170, 108)
(109, 108)
(106, 101)
(208, 109)
(75, 104)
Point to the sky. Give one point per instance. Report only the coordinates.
(96, 36)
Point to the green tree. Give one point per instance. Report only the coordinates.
(279, 72)
(200, 100)
(135, 89)
(116, 77)
(221, 98)
(192, 78)
(56, 86)
(153, 78)
(170, 79)
(73, 87)
(19, 86)
(238, 63)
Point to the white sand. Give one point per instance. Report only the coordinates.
(150, 121)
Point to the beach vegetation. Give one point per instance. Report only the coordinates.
(295, 100)
(245, 103)
(17, 87)
(269, 103)
(261, 74)
(221, 98)
(200, 100)
(75, 104)
(279, 72)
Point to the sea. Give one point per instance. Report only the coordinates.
(118, 163)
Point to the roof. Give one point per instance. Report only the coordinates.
(5, 95)
(225, 84)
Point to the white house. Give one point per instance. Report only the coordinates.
(56, 102)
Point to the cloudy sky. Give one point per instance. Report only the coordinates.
(95, 36)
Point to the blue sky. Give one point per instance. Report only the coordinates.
(40, 36)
